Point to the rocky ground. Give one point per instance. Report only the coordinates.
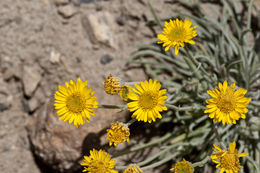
(44, 43)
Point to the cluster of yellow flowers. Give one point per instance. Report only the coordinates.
(228, 160)
(75, 102)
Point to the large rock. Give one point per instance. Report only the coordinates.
(61, 2)
(6, 98)
(100, 27)
(61, 145)
(67, 11)
(31, 79)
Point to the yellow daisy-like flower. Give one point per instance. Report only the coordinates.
(118, 133)
(147, 101)
(112, 85)
(133, 169)
(227, 105)
(176, 33)
(98, 162)
(75, 102)
(227, 160)
(123, 93)
(182, 167)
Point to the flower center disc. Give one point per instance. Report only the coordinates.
(100, 167)
(148, 100)
(76, 103)
(183, 169)
(226, 103)
(177, 34)
(229, 161)
(118, 136)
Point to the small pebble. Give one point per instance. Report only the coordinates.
(105, 59)
(121, 20)
(3, 107)
(85, 1)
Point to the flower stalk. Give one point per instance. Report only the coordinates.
(122, 107)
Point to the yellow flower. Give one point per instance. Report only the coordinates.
(176, 33)
(133, 169)
(182, 167)
(112, 85)
(118, 133)
(98, 162)
(75, 102)
(228, 160)
(147, 101)
(125, 89)
(227, 105)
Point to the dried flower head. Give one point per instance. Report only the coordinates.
(176, 33)
(118, 133)
(227, 160)
(98, 162)
(227, 105)
(112, 85)
(182, 167)
(133, 169)
(147, 101)
(75, 102)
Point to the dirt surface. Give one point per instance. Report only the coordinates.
(44, 43)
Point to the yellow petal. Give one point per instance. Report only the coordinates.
(212, 94)
(232, 146)
(220, 86)
(243, 154)
(133, 96)
(222, 170)
(217, 147)
(225, 86)
(176, 50)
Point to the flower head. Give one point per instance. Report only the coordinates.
(227, 160)
(182, 167)
(75, 102)
(112, 85)
(98, 162)
(125, 89)
(147, 101)
(118, 133)
(176, 33)
(133, 169)
(227, 105)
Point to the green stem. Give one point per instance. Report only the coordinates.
(157, 20)
(160, 153)
(192, 63)
(191, 57)
(161, 161)
(141, 147)
(122, 107)
(130, 83)
(120, 168)
(201, 163)
(193, 133)
(131, 122)
(176, 108)
(249, 14)
(218, 137)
